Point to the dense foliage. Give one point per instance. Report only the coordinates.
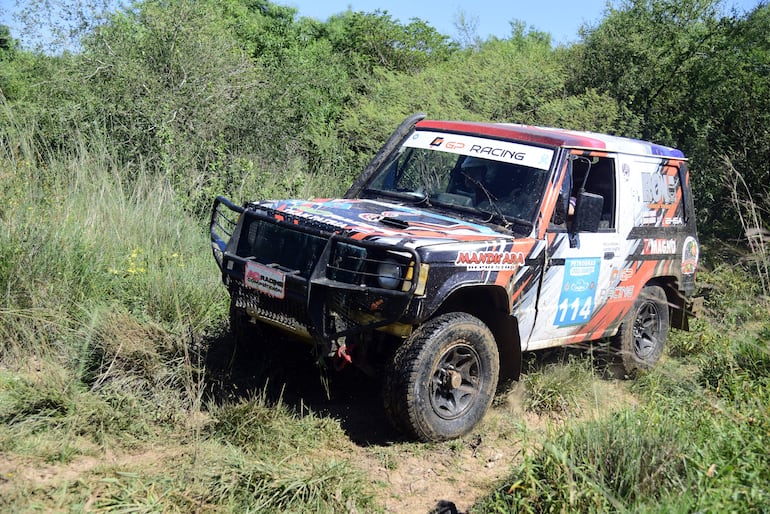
(248, 97)
(113, 146)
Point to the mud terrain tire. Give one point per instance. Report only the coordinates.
(642, 336)
(442, 378)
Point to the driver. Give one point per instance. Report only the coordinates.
(475, 168)
(476, 171)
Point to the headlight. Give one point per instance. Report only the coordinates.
(389, 274)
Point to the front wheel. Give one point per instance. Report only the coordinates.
(642, 336)
(442, 379)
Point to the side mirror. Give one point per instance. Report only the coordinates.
(588, 212)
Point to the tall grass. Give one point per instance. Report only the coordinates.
(696, 442)
(560, 389)
(752, 217)
(102, 285)
(75, 233)
(108, 279)
(109, 301)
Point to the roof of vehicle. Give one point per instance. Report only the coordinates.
(554, 137)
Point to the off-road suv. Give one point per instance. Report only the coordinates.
(463, 245)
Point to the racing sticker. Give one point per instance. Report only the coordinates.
(576, 303)
(690, 256)
(504, 151)
(265, 279)
(659, 247)
(489, 261)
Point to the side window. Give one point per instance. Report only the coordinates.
(597, 176)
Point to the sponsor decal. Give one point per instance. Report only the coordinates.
(504, 154)
(580, 286)
(576, 303)
(450, 145)
(504, 151)
(650, 217)
(624, 274)
(690, 256)
(621, 293)
(325, 218)
(374, 217)
(265, 279)
(659, 246)
(489, 261)
(581, 267)
(370, 217)
(659, 189)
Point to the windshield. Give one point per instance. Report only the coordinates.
(443, 175)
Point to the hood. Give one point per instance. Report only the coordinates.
(374, 220)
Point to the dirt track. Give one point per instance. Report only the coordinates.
(410, 477)
(406, 477)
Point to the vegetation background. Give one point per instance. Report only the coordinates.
(116, 136)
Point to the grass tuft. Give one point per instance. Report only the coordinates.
(252, 424)
(560, 389)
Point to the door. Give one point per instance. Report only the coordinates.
(580, 263)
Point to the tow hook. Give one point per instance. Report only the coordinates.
(341, 357)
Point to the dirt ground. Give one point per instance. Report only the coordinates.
(408, 477)
(414, 477)
(417, 479)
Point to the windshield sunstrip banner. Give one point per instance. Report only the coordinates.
(503, 151)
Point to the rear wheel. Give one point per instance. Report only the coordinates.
(642, 336)
(442, 379)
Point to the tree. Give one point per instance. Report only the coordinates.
(263, 28)
(521, 80)
(694, 79)
(8, 52)
(729, 118)
(467, 29)
(8, 44)
(375, 40)
(170, 85)
(641, 54)
(58, 26)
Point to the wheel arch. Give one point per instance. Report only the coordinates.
(678, 315)
(490, 304)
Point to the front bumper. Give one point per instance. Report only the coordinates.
(308, 280)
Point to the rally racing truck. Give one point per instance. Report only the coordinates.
(463, 245)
